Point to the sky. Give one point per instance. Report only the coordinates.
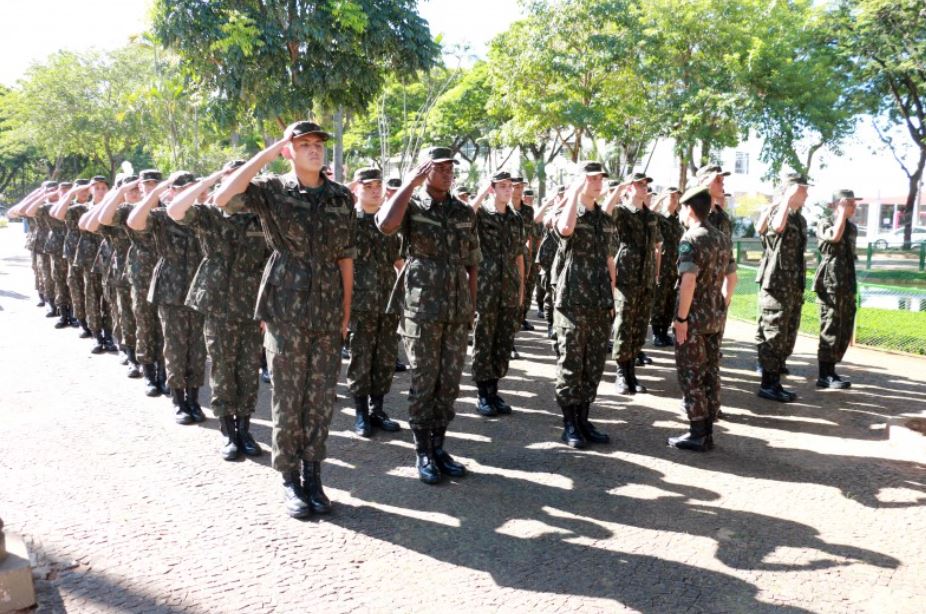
(33, 29)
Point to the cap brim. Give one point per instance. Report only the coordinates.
(440, 160)
(320, 134)
(370, 180)
(602, 173)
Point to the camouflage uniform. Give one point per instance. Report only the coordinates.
(432, 296)
(546, 254)
(637, 236)
(664, 302)
(75, 277)
(117, 288)
(179, 255)
(95, 303)
(836, 289)
(719, 219)
(54, 246)
(781, 278)
(224, 290)
(300, 299)
(531, 234)
(42, 261)
(373, 338)
(584, 306)
(140, 261)
(31, 228)
(706, 252)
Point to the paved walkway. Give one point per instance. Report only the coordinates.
(804, 507)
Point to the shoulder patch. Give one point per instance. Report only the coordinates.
(684, 248)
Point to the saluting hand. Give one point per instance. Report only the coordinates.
(421, 173)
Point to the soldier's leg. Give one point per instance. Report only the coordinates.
(452, 357)
(712, 374)
(48, 281)
(37, 273)
(362, 343)
(690, 360)
(795, 309)
(505, 331)
(541, 290)
(829, 329)
(641, 318)
(571, 334)
(59, 271)
(287, 353)
(196, 349)
(93, 300)
(222, 343)
(596, 353)
(529, 283)
(247, 365)
(122, 304)
(385, 354)
(324, 363)
(175, 326)
(847, 309)
(484, 332)
(75, 282)
(773, 325)
(627, 314)
(423, 343)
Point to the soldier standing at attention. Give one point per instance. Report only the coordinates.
(781, 277)
(223, 290)
(546, 256)
(836, 288)
(584, 303)
(179, 254)
(54, 247)
(304, 298)
(531, 237)
(708, 277)
(638, 245)
(664, 302)
(26, 209)
(70, 215)
(374, 342)
(500, 291)
(435, 296)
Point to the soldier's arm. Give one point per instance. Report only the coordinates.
(389, 217)
(566, 220)
(138, 218)
(833, 234)
(521, 274)
(108, 207)
(59, 211)
(762, 222)
(686, 290)
(25, 204)
(615, 197)
(32, 208)
(238, 181)
(346, 266)
(181, 203)
(475, 203)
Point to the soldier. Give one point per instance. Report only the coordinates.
(712, 176)
(223, 291)
(392, 186)
(70, 214)
(462, 193)
(54, 247)
(38, 212)
(836, 288)
(546, 255)
(34, 198)
(304, 299)
(179, 254)
(781, 277)
(435, 296)
(638, 247)
(374, 342)
(707, 273)
(664, 302)
(584, 303)
(500, 230)
(531, 242)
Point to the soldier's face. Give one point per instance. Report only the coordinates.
(716, 188)
(307, 152)
(133, 195)
(371, 193)
(82, 194)
(673, 202)
(528, 200)
(148, 185)
(593, 185)
(98, 190)
(52, 195)
(517, 191)
(638, 191)
(441, 176)
(503, 190)
(849, 205)
(684, 215)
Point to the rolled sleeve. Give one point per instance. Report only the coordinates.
(686, 258)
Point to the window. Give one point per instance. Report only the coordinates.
(742, 163)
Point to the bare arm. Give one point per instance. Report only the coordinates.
(729, 285)
(520, 261)
(390, 215)
(33, 197)
(138, 218)
(107, 208)
(566, 220)
(615, 197)
(238, 181)
(686, 290)
(477, 202)
(182, 202)
(60, 210)
(834, 233)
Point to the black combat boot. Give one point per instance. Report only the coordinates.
(514, 353)
(162, 377)
(134, 371)
(378, 417)
(444, 461)
(484, 401)
(52, 310)
(192, 401)
(182, 415)
(84, 331)
(661, 337)
(694, 440)
(572, 436)
(293, 496)
(526, 325)
(586, 428)
(400, 367)
(312, 486)
(230, 450)
(771, 389)
(65, 317)
(643, 359)
(264, 370)
(110, 345)
(100, 346)
(634, 382)
(427, 468)
(362, 424)
(500, 405)
(151, 380)
(245, 440)
(623, 382)
(829, 379)
(41, 302)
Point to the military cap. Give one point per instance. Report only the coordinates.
(695, 192)
(309, 128)
(462, 190)
(394, 182)
(367, 175)
(847, 195)
(181, 179)
(561, 189)
(501, 176)
(593, 168)
(81, 182)
(232, 165)
(126, 179)
(150, 174)
(635, 177)
(528, 192)
(65, 184)
(796, 179)
(50, 185)
(709, 169)
(97, 178)
(441, 154)
(651, 191)
(671, 190)
(517, 179)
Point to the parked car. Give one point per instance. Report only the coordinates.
(894, 238)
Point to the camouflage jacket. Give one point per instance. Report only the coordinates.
(116, 245)
(234, 255)
(501, 241)
(374, 265)
(309, 231)
(529, 231)
(836, 273)
(72, 232)
(41, 227)
(671, 230)
(142, 256)
(637, 237)
(719, 219)
(178, 256)
(54, 243)
(783, 267)
(30, 233)
(708, 253)
(584, 281)
(441, 243)
(547, 250)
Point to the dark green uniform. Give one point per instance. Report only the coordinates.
(546, 255)
(43, 259)
(96, 306)
(75, 278)
(224, 290)
(432, 298)
(664, 302)
(836, 288)
(374, 343)
(531, 235)
(113, 259)
(781, 279)
(300, 298)
(54, 248)
(140, 261)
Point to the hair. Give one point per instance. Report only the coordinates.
(700, 204)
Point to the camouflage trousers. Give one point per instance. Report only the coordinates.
(304, 368)
(632, 313)
(123, 315)
(234, 348)
(59, 275)
(75, 281)
(436, 351)
(184, 346)
(493, 340)
(37, 272)
(95, 304)
(697, 362)
(664, 302)
(374, 348)
(43, 261)
(779, 321)
(549, 299)
(582, 336)
(149, 341)
(540, 292)
(530, 282)
(837, 322)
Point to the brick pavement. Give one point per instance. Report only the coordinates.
(805, 507)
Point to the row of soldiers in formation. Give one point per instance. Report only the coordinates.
(236, 263)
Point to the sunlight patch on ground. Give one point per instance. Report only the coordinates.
(526, 528)
(642, 491)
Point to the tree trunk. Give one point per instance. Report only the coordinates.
(912, 195)
(682, 172)
(339, 144)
